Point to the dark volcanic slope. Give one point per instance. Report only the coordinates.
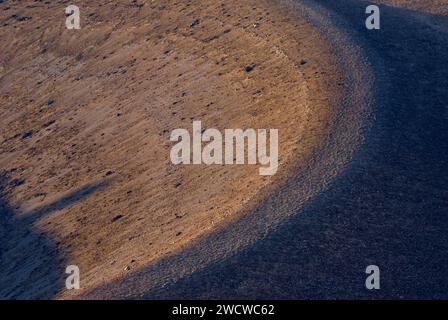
(389, 207)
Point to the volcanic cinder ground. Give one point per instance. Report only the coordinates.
(85, 171)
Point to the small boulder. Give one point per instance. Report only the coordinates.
(27, 134)
(109, 173)
(117, 217)
(250, 68)
(17, 182)
(194, 23)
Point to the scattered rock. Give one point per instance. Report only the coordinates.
(302, 62)
(117, 217)
(178, 233)
(194, 23)
(134, 4)
(178, 184)
(48, 123)
(127, 268)
(40, 194)
(19, 18)
(27, 134)
(250, 68)
(50, 102)
(108, 173)
(17, 182)
(24, 18)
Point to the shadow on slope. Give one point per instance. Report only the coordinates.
(31, 266)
